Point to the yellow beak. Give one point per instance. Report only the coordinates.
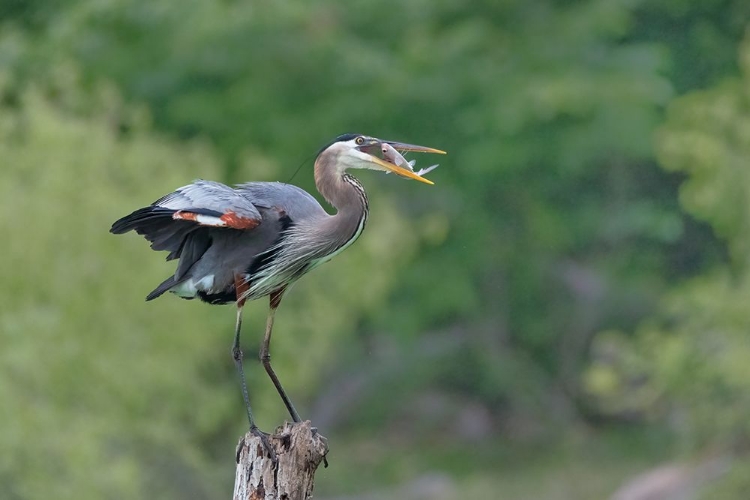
(404, 172)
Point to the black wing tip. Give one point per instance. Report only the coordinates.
(122, 225)
(119, 227)
(131, 221)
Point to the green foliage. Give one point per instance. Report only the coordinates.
(91, 373)
(550, 228)
(734, 485)
(702, 37)
(547, 116)
(690, 361)
(707, 136)
(78, 373)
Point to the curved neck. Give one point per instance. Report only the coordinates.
(345, 194)
(340, 189)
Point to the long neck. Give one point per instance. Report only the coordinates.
(346, 195)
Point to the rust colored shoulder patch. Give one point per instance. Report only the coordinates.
(180, 215)
(233, 220)
(227, 219)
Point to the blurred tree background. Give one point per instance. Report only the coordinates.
(565, 308)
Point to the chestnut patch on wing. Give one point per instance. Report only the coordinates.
(180, 215)
(233, 220)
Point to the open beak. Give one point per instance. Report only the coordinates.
(405, 172)
(401, 146)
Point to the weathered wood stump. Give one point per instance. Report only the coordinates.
(299, 451)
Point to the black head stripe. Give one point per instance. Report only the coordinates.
(341, 138)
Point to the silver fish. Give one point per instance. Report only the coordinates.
(393, 156)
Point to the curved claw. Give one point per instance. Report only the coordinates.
(263, 436)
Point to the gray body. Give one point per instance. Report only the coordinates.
(239, 252)
(210, 257)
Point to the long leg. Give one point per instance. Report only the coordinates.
(237, 356)
(265, 355)
(241, 286)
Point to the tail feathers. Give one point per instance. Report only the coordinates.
(159, 290)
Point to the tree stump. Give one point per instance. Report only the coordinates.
(299, 451)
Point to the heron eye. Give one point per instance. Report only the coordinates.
(360, 140)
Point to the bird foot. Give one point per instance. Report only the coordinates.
(265, 442)
(263, 436)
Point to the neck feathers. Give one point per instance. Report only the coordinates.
(305, 246)
(346, 195)
(340, 189)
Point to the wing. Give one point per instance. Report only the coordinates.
(202, 203)
(189, 221)
(211, 204)
(295, 202)
(179, 221)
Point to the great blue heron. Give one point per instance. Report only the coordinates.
(252, 241)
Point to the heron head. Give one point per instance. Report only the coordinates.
(361, 151)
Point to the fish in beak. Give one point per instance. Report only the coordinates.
(393, 156)
(394, 161)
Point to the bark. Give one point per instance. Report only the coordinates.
(299, 451)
